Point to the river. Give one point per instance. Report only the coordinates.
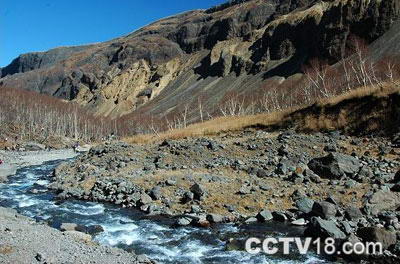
(131, 230)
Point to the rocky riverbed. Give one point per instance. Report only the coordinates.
(336, 185)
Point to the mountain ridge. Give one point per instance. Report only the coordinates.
(201, 53)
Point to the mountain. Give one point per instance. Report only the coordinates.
(202, 54)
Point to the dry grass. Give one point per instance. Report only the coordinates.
(379, 91)
(213, 127)
(237, 123)
(354, 112)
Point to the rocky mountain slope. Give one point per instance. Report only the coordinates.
(201, 54)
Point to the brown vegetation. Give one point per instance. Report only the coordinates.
(354, 110)
(28, 115)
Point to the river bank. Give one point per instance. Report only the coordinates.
(24, 240)
(14, 160)
(334, 185)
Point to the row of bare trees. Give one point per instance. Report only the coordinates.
(29, 115)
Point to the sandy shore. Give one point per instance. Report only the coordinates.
(13, 160)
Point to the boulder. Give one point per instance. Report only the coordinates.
(382, 201)
(183, 221)
(33, 146)
(324, 209)
(299, 222)
(235, 245)
(321, 228)
(156, 193)
(251, 220)
(91, 230)
(364, 175)
(198, 190)
(353, 213)
(82, 149)
(187, 197)
(375, 234)
(305, 205)
(397, 177)
(264, 216)
(395, 188)
(279, 217)
(215, 218)
(145, 199)
(334, 166)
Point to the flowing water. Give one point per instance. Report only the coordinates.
(131, 230)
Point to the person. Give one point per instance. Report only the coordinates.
(1, 162)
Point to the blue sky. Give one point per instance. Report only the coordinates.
(39, 25)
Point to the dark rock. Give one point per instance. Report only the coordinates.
(198, 190)
(364, 175)
(320, 228)
(375, 234)
(305, 205)
(353, 213)
(264, 216)
(324, 209)
(395, 188)
(382, 201)
(39, 257)
(215, 218)
(187, 197)
(335, 166)
(235, 245)
(283, 151)
(331, 200)
(261, 173)
(156, 193)
(279, 217)
(330, 148)
(397, 177)
(91, 230)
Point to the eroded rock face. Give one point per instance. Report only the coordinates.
(242, 43)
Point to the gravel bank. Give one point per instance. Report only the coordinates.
(13, 160)
(22, 240)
